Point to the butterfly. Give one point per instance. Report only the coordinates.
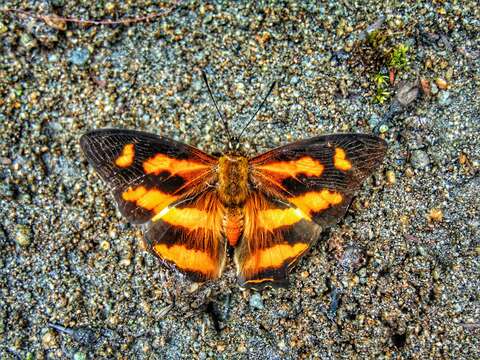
(269, 208)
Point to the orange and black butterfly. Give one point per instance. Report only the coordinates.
(270, 208)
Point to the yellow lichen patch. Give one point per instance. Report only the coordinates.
(316, 201)
(305, 165)
(148, 199)
(340, 160)
(188, 259)
(272, 219)
(160, 163)
(273, 257)
(126, 156)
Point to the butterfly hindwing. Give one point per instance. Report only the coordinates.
(275, 236)
(145, 172)
(188, 237)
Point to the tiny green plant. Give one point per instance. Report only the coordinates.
(381, 94)
(398, 58)
(381, 79)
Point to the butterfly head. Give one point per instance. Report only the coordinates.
(233, 146)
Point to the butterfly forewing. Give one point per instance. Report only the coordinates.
(146, 173)
(319, 175)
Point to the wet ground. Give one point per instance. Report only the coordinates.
(398, 277)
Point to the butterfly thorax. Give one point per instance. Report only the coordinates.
(232, 180)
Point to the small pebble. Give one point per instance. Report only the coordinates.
(256, 301)
(28, 41)
(426, 88)
(56, 22)
(442, 84)
(419, 159)
(409, 172)
(3, 28)
(79, 356)
(48, 340)
(435, 215)
(110, 7)
(421, 251)
(404, 220)
(242, 348)
(23, 235)
(6, 191)
(281, 345)
(193, 287)
(373, 120)
(79, 56)
(125, 262)
(391, 179)
(444, 98)
(407, 93)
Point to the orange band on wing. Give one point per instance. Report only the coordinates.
(189, 218)
(272, 219)
(316, 201)
(273, 257)
(305, 165)
(126, 156)
(340, 160)
(188, 259)
(148, 199)
(160, 163)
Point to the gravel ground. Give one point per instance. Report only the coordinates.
(398, 277)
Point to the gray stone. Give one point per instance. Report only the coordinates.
(79, 56)
(23, 235)
(444, 98)
(79, 356)
(373, 120)
(256, 301)
(419, 159)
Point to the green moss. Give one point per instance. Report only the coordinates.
(398, 57)
(377, 38)
(381, 79)
(381, 94)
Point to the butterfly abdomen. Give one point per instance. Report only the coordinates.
(233, 225)
(232, 180)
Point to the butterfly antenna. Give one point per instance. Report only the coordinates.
(220, 115)
(258, 109)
